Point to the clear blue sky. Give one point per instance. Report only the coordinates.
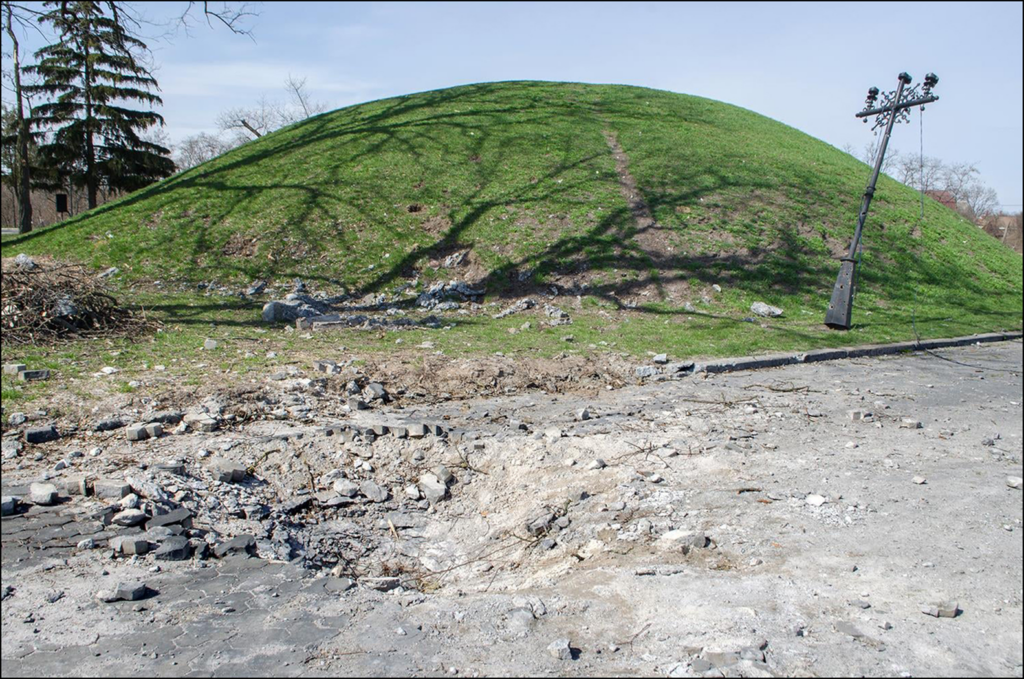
(805, 64)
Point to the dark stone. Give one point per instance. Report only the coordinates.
(41, 434)
(179, 516)
(174, 548)
(243, 544)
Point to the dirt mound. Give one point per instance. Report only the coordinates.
(46, 300)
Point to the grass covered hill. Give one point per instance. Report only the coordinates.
(647, 198)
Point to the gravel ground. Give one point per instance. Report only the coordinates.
(796, 521)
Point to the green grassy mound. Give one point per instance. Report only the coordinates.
(637, 198)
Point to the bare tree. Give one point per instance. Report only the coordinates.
(252, 122)
(199, 148)
(232, 15)
(302, 105)
(248, 123)
(17, 17)
(923, 175)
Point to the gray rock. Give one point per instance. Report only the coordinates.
(661, 359)
(108, 425)
(375, 391)
(433, 489)
(345, 488)
(129, 517)
(559, 649)
(540, 525)
(766, 310)
(228, 471)
(373, 492)
(243, 544)
(111, 490)
(645, 371)
(8, 505)
(14, 368)
(910, 423)
(41, 434)
(416, 431)
(442, 473)
(945, 609)
(129, 545)
(181, 517)
(42, 494)
(123, 592)
(1013, 482)
(17, 419)
(174, 548)
(681, 540)
(210, 344)
(137, 432)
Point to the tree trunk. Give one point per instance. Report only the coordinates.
(23, 189)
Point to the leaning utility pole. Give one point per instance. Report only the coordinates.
(895, 108)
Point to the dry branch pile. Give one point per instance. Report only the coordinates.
(45, 300)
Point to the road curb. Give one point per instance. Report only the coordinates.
(775, 360)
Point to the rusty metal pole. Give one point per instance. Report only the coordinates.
(894, 110)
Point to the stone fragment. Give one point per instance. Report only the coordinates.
(41, 434)
(181, 517)
(860, 415)
(210, 344)
(129, 517)
(1013, 482)
(373, 492)
(682, 540)
(356, 404)
(919, 480)
(540, 525)
(944, 609)
(137, 432)
(416, 431)
(597, 464)
(30, 375)
(14, 368)
(660, 359)
(645, 371)
(433, 489)
(815, 500)
(8, 505)
(111, 490)
(910, 423)
(176, 548)
(228, 471)
(154, 430)
(339, 584)
(766, 310)
(108, 425)
(42, 494)
(129, 545)
(345, 488)
(243, 544)
(442, 473)
(559, 649)
(583, 415)
(123, 592)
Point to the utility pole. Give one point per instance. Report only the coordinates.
(895, 108)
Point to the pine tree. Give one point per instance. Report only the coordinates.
(87, 77)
